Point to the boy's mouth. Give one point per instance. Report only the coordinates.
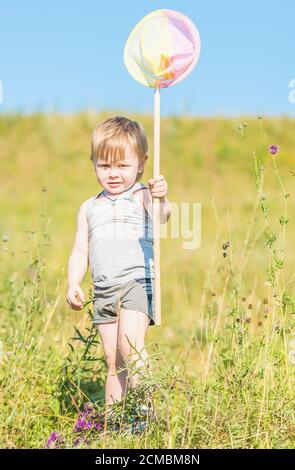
(114, 184)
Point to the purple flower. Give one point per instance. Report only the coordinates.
(81, 440)
(98, 426)
(53, 438)
(273, 149)
(82, 423)
(88, 419)
(88, 407)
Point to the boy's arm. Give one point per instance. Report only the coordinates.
(78, 261)
(165, 210)
(165, 207)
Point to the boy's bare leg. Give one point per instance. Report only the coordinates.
(116, 383)
(133, 325)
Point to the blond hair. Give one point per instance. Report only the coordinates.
(112, 136)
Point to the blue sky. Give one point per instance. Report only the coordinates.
(67, 56)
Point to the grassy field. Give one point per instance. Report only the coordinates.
(223, 361)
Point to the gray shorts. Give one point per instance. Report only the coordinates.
(136, 294)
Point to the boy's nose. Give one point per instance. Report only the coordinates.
(113, 171)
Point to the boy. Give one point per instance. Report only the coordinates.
(114, 233)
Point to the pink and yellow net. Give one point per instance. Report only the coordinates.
(162, 49)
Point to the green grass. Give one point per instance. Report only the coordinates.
(222, 363)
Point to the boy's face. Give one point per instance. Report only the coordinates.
(119, 176)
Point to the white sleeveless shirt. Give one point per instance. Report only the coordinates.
(120, 237)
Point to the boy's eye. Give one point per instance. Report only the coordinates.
(107, 166)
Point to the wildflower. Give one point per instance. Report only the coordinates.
(250, 306)
(88, 419)
(81, 440)
(98, 426)
(53, 439)
(260, 323)
(88, 407)
(5, 238)
(273, 149)
(243, 299)
(248, 320)
(265, 301)
(82, 423)
(224, 254)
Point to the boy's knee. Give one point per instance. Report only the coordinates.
(115, 361)
(120, 361)
(128, 346)
(111, 359)
(123, 353)
(125, 349)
